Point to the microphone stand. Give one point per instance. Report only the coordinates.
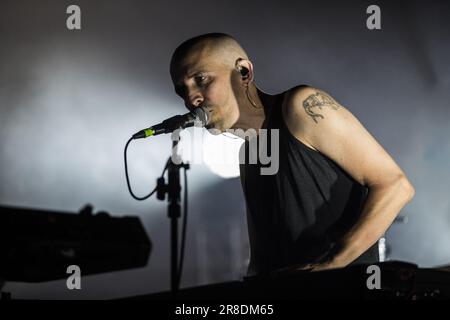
(173, 189)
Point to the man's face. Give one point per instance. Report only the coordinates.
(200, 80)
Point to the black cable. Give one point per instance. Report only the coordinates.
(183, 235)
(128, 180)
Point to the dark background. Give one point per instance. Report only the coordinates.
(69, 100)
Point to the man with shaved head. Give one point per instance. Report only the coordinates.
(219, 55)
(336, 190)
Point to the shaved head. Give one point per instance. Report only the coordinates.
(206, 72)
(217, 48)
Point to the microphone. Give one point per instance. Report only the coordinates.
(199, 116)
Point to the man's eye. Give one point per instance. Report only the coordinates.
(200, 79)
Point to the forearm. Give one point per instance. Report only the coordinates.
(382, 205)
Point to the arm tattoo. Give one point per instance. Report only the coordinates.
(318, 100)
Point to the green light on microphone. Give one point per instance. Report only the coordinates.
(149, 132)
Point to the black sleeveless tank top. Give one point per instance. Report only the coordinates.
(298, 214)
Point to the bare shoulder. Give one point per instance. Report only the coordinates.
(306, 103)
(314, 116)
(304, 108)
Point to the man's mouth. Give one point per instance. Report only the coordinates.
(207, 108)
(210, 111)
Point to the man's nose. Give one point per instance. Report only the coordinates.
(195, 100)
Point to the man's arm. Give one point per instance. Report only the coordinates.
(320, 122)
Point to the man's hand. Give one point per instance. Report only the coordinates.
(292, 270)
(317, 267)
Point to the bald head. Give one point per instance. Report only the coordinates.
(207, 71)
(217, 48)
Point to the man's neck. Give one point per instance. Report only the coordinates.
(254, 117)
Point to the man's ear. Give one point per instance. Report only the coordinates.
(245, 69)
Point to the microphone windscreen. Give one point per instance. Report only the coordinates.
(201, 115)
